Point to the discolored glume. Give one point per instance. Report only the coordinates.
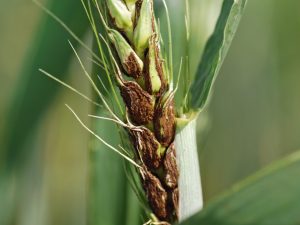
(139, 103)
(164, 123)
(148, 148)
(132, 67)
(170, 167)
(156, 194)
(131, 63)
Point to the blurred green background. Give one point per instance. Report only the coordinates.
(252, 119)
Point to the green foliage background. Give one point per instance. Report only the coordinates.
(252, 119)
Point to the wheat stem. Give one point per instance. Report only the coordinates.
(190, 189)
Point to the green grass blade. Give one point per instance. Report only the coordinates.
(107, 180)
(215, 51)
(49, 50)
(133, 209)
(271, 196)
(111, 200)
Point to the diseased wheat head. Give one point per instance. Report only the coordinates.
(144, 79)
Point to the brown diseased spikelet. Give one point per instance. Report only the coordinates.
(139, 103)
(164, 123)
(170, 167)
(156, 194)
(132, 67)
(147, 147)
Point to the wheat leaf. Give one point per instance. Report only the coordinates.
(271, 196)
(215, 51)
(48, 50)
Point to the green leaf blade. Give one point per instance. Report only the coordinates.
(49, 50)
(271, 196)
(215, 51)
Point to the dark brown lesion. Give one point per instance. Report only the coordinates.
(170, 168)
(156, 194)
(161, 188)
(132, 67)
(164, 123)
(147, 147)
(170, 181)
(139, 103)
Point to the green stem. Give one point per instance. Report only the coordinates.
(190, 189)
